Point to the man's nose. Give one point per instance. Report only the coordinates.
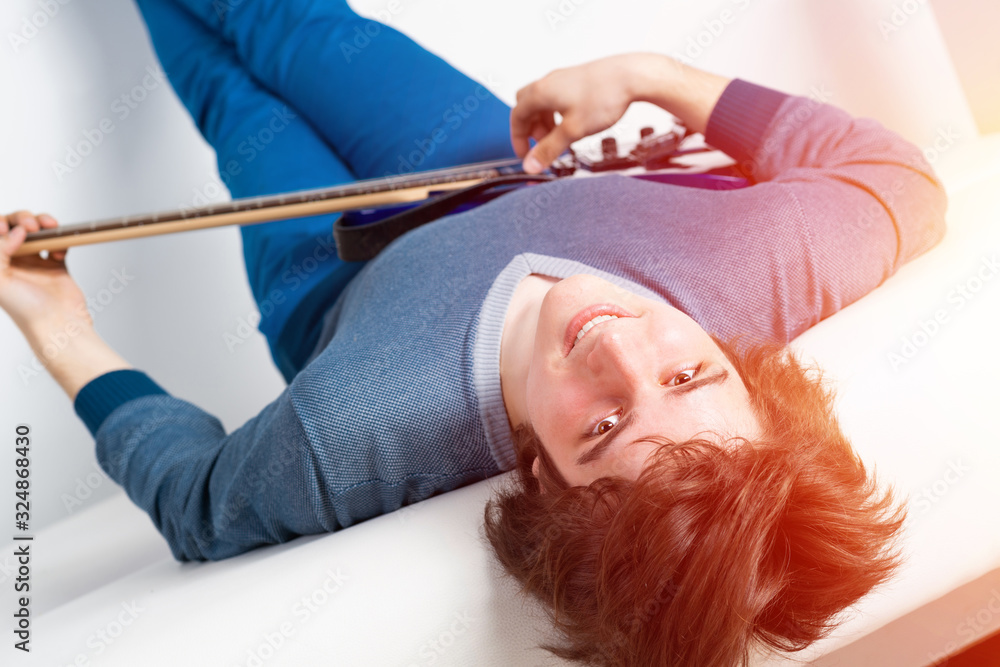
(620, 354)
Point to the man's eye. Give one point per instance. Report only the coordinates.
(684, 376)
(606, 424)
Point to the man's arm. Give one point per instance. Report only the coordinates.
(212, 495)
(83, 357)
(867, 199)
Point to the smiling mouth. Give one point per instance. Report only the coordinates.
(589, 318)
(591, 324)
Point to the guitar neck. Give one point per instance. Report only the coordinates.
(351, 196)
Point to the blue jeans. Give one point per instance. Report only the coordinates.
(298, 94)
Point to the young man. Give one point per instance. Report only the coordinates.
(589, 346)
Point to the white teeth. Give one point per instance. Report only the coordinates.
(592, 323)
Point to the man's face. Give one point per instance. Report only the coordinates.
(652, 370)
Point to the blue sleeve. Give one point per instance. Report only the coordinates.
(211, 495)
(103, 394)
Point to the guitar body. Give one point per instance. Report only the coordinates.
(361, 234)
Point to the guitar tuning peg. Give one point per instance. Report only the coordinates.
(609, 148)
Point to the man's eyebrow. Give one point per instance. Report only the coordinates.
(602, 446)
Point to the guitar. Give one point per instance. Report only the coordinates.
(381, 209)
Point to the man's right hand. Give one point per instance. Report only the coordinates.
(590, 98)
(593, 96)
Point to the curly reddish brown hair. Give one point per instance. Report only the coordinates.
(718, 550)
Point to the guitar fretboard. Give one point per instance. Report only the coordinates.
(481, 170)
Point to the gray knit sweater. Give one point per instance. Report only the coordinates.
(401, 399)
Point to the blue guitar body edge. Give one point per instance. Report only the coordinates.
(718, 179)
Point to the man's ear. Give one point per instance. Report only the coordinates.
(534, 471)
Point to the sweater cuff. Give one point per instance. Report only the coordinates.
(740, 119)
(103, 394)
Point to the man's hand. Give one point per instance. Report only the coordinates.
(590, 98)
(33, 290)
(593, 96)
(49, 308)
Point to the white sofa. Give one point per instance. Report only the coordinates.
(417, 587)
